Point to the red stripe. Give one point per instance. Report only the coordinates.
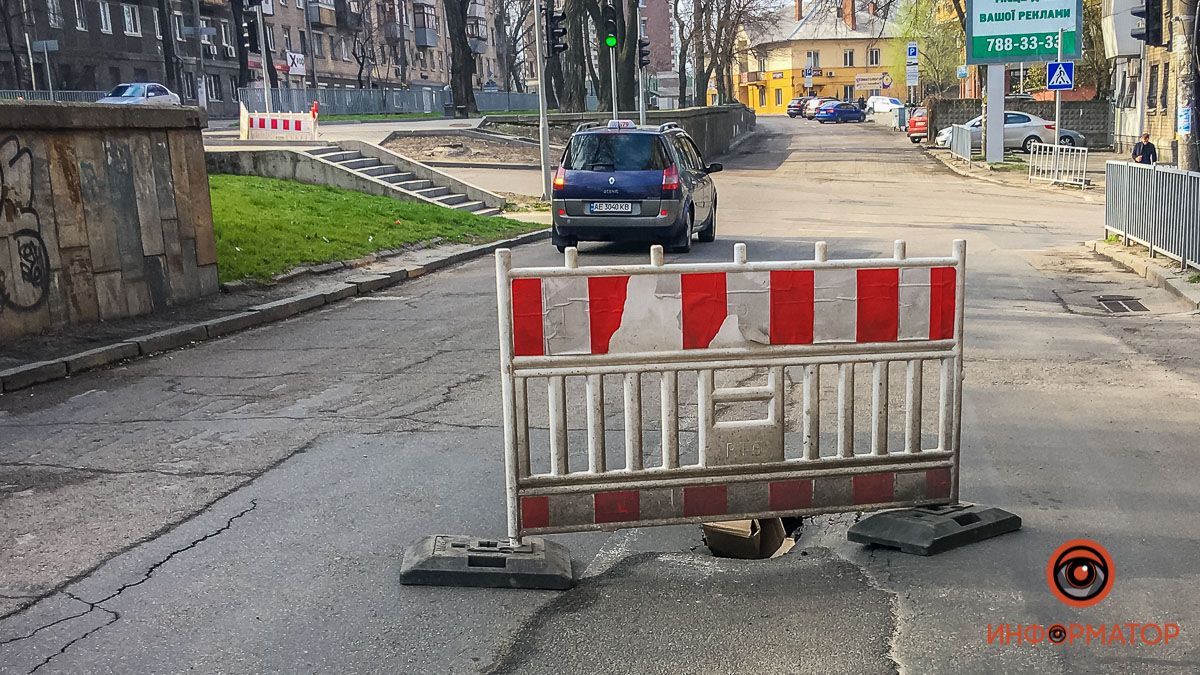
(618, 507)
(704, 307)
(792, 307)
(535, 512)
(287, 125)
(788, 495)
(705, 500)
(878, 305)
(942, 289)
(262, 123)
(873, 488)
(528, 338)
(606, 304)
(298, 125)
(274, 124)
(937, 483)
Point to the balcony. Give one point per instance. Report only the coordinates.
(477, 10)
(349, 14)
(751, 76)
(425, 37)
(393, 33)
(477, 34)
(322, 14)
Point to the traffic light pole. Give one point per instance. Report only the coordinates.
(1058, 94)
(612, 70)
(641, 71)
(262, 57)
(543, 121)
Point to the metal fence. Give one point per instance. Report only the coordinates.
(1058, 164)
(61, 96)
(1155, 206)
(378, 101)
(960, 142)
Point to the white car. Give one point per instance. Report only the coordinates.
(883, 104)
(140, 93)
(1021, 130)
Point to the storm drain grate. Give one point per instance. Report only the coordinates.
(1117, 304)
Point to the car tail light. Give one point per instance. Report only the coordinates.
(1049, 126)
(670, 181)
(560, 179)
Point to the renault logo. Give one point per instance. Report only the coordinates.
(612, 180)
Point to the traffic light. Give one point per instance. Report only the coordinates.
(643, 52)
(250, 36)
(610, 25)
(556, 30)
(1149, 28)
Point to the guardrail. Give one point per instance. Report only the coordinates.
(1058, 164)
(68, 96)
(960, 142)
(1155, 206)
(378, 101)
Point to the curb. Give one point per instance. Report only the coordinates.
(39, 372)
(483, 165)
(1171, 280)
(950, 164)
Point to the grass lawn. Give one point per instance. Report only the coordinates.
(381, 118)
(265, 226)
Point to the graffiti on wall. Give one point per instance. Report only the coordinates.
(24, 259)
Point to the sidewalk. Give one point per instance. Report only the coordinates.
(1018, 175)
(1159, 272)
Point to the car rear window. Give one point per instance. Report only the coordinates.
(919, 112)
(128, 90)
(615, 152)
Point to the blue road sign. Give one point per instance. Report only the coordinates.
(1060, 75)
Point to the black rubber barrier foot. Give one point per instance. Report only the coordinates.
(930, 530)
(455, 560)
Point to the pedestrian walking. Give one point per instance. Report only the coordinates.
(1144, 151)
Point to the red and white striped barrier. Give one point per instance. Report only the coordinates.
(277, 126)
(569, 330)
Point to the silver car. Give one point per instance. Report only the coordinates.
(1021, 130)
(140, 93)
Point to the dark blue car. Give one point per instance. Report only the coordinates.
(840, 112)
(621, 182)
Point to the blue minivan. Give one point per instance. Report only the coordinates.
(621, 182)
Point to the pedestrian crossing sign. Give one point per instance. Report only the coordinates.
(1060, 75)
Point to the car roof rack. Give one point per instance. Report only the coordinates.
(669, 125)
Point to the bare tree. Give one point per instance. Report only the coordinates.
(462, 59)
(517, 35)
(15, 16)
(721, 25)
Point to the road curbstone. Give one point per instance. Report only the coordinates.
(340, 292)
(367, 283)
(234, 322)
(1157, 275)
(172, 338)
(101, 356)
(287, 307)
(31, 374)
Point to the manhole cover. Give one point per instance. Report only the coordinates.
(1116, 304)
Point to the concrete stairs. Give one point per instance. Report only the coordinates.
(431, 186)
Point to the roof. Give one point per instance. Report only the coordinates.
(821, 22)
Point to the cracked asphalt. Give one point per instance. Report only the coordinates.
(242, 506)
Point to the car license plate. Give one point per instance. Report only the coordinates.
(612, 207)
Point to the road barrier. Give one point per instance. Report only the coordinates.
(1155, 206)
(569, 330)
(380, 101)
(277, 126)
(960, 142)
(1058, 164)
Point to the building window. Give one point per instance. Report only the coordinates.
(813, 60)
(1152, 89)
(342, 46)
(226, 37)
(425, 16)
(847, 92)
(133, 19)
(157, 25)
(177, 26)
(778, 97)
(80, 15)
(287, 38)
(762, 64)
(1166, 81)
(105, 18)
(213, 87)
(872, 57)
(318, 45)
(332, 47)
(233, 88)
(270, 36)
(54, 14)
(204, 39)
(643, 32)
(303, 42)
(189, 85)
(848, 58)
(762, 97)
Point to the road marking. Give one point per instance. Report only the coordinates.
(613, 550)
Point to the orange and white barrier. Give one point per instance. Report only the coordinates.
(277, 126)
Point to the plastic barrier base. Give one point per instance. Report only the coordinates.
(455, 560)
(930, 530)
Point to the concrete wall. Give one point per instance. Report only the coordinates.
(714, 127)
(106, 214)
(1093, 119)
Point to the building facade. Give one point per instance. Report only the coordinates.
(1144, 81)
(847, 44)
(326, 43)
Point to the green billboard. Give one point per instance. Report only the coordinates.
(1009, 31)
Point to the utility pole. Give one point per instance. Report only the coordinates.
(262, 57)
(543, 123)
(201, 78)
(1058, 95)
(1183, 48)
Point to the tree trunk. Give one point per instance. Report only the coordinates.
(700, 21)
(552, 81)
(1183, 46)
(13, 34)
(627, 47)
(683, 57)
(573, 96)
(462, 61)
(168, 44)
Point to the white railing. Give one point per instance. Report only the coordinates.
(1058, 164)
(1155, 206)
(960, 142)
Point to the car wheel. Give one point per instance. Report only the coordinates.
(914, 139)
(561, 242)
(1027, 144)
(709, 233)
(683, 242)
(1067, 141)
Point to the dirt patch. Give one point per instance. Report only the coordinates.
(455, 148)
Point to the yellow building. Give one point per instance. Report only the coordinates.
(846, 43)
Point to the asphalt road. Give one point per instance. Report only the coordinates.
(242, 506)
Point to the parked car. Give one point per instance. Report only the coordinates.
(622, 182)
(140, 93)
(810, 108)
(1072, 138)
(883, 104)
(835, 112)
(1021, 130)
(918, 125)
(795, 105)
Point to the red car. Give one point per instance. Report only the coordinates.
(918, 125)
